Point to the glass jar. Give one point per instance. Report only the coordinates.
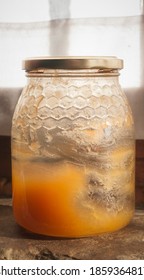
(73, 148)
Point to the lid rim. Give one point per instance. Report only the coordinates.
(72, 62)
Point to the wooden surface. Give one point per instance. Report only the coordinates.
(18, 244)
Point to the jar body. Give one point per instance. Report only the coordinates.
(73, 156)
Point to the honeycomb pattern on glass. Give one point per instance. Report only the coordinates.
(58, 115)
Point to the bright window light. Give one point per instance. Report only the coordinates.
(95, 27)
(24, 10)
(106, 8)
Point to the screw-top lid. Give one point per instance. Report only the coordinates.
(73, 62)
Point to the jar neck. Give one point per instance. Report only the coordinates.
(73, 73)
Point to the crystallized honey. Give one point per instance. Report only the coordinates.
(63, 199)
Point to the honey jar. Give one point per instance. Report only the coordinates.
(73, 148)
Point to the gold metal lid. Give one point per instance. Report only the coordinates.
(73, 62)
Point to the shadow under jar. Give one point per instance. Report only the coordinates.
(73, 148)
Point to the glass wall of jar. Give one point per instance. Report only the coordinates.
(73, 148)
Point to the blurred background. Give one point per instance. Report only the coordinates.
(71, 27)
